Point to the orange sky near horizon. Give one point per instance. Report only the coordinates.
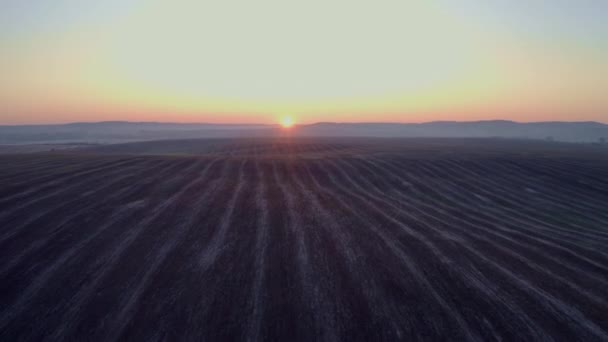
(331, 60)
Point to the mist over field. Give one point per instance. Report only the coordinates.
(116, 132)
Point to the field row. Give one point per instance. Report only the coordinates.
(346, 244)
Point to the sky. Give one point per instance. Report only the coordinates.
(246, 61)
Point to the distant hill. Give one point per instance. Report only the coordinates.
(560, 131)
(122, 131)
(118, 131)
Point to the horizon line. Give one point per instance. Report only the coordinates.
(299, 124)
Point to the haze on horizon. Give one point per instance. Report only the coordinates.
(319, 60)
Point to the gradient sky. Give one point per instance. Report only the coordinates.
(318, 60)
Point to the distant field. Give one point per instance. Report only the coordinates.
(306, 239)
(34, 148)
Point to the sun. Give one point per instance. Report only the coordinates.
(287, 121)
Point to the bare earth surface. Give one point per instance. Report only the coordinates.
(286, 240)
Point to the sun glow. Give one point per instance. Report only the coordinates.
(86, 60)
(287, 121)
